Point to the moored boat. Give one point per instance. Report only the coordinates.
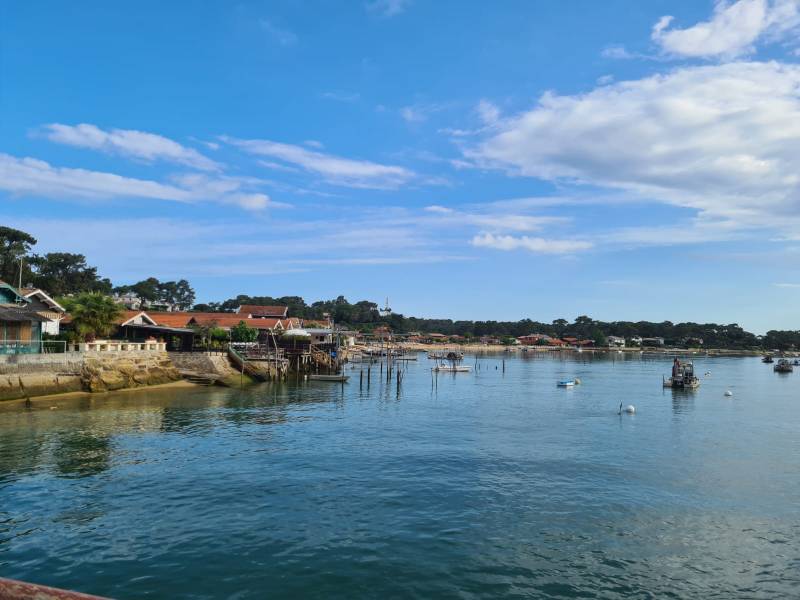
(451, 369)
(683, 377)
(333, 378)
(767, 359)
(783, 366)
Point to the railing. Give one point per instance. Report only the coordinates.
(32, 347)
(118, 346)
(256, 351)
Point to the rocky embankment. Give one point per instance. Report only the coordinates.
(26, 376)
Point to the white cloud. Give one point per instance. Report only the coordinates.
(128, 142)
(281, 35)
(387, 8)
(788, 285)
(733, 30)
(334, 169)
(617, 52)
(443, 210)
(534, 244)
(29, 176)
(724, 140)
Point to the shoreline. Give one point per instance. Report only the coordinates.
(180, 384)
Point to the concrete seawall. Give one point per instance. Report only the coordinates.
(25, 376)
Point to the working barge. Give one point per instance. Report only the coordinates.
(683, 377)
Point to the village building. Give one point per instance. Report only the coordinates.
(45, 307)
(252, 311)
(615, 341)
(533, 339)
(653, 341)
(20, 323)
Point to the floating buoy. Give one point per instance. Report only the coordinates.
(708, 373)
(630, 409)
(577, 381)
(729, 393)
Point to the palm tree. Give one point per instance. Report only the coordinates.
(93, 315)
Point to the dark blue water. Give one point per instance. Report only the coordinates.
(477, 485)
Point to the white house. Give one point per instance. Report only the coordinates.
(45, 307)
(615, 342)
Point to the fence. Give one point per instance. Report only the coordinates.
(33, 347)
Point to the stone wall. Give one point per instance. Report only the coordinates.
(215, 363)
(25, 376)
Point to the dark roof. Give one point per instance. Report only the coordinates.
(16, 314)
(263, 311)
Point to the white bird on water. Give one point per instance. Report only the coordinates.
(630, 409)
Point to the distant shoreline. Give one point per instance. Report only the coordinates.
(478, 348)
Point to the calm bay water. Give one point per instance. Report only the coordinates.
(476, 485)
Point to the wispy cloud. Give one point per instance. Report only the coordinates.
(333, 169)
(533, 244)
(788, 285)
(131, 143)
(32, 177)
(387, 8)
(281, 35)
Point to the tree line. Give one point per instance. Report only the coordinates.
(64, 274)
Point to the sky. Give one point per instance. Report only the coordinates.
(621, 159)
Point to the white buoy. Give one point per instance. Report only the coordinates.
(630, 409)
(729, 393)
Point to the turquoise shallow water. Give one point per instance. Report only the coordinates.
(477, 485)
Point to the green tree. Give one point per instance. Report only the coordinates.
(14, 246)
(93, 315)
(599, 338)
(242, 333)
(62, 273)
(218, 335)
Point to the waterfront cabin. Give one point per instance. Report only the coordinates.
(20, 324)
(45, 307)
(139, 326)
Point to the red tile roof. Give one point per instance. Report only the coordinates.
(227, 320)
(263, 311)
(172, 319)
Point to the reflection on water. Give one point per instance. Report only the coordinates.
(483, 485)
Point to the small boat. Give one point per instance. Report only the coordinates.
(767, 359)
(451, 369)
(333, 378)
(566, 383)
(783, 366)
(684, 380)
(796, 363)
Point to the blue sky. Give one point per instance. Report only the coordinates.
(621, 159)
